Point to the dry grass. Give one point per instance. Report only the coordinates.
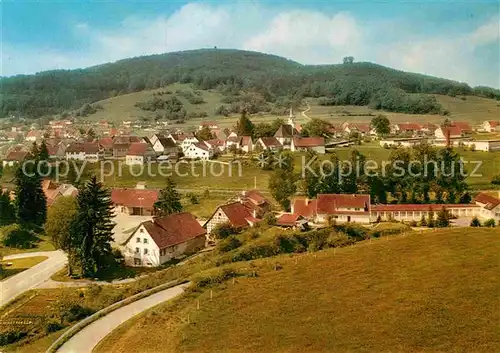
(429, 292)
(19, 265)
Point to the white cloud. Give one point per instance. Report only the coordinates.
(307, 36)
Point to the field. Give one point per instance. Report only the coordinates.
(18, 265)
(43, 245)
(435, 291)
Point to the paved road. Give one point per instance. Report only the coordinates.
(32, 277)
(86, 340)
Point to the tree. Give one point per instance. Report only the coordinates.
(244, 127)
(465, 198)
(431, 223)
(423, 221)
(7, 209)
(205, 134)
(282, 187)
(30, 202)
(475, 222)
(381, 124)
(169, 201)
(60, 216)
(223, 230)
(348, 59)
(443, 218)
(315, 127)
(92, 228)
(43, 153)
(264, 130)
(490, 223)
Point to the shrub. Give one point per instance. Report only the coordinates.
(224, 230)
(213, 276)
(77, 312)
(337, 240)
(496, 180)
(269, 219)
(11, 337)
(228, 244)
(383, 229)
(475, 222)
(14, 236)
(53, 326)
(490, 223)
(356, 231)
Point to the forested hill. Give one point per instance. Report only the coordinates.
(231, 72)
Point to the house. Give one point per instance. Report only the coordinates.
(106, 144)
(246, 144)
(268, 144)
(490, 206)
(75, 151)
(216, 145)
(212, 125)
(255, 201)
(403, 142)
(93, 152)
(314, 144)
(429, 128)
(120, 150)
(483, 145)
(184, 140)
(448, 132)
(136, 202)
(158, 241)
(362, 129)
(491, 126)
(57, 151)
(155, 138)
(14, 157)
(164, 145)
(200, 150)
(289, 220)
(415, 212)
(304, 207)
(233, 142)
(235, 213)
(54, 190)
(139, 153)
(33, 136)
(463, 125)
(406, 128)
(285, 133)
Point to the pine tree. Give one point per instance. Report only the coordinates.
(443, 218)
(244, 126)
(423, 221)
(169, 201)
(92, 229)
(431, 222)
(30, 203)
(7, 209)
(34, 152)
(43, 153)
(475, 222)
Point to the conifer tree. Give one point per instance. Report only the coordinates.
(244, 126)
(169, 201)
(30, 202)
(7, 209)
(443, 218)
(43, 152)
(92, 229)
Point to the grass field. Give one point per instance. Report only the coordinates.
(19, 265)
(430, 292)
(43, 245)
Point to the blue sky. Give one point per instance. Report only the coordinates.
(456, 40)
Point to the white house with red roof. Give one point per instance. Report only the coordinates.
(199, 150)
(139, 153)
(490, 205)
(14, 157)
(217, 144)
(158, 241)
(445, 132)
(361, 128)
(406, 128)
(314, 144)
(491, 126)
(236, 213)
(136, 202)
(268, 143)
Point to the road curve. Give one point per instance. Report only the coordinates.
(88, 338)
(32, 277)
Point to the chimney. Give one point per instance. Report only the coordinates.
(307, 201)
(254, 213)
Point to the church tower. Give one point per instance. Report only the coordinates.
(291, 118)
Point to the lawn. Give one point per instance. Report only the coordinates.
(44, 244)
(426, 292)
(117, 272)
(18, 265)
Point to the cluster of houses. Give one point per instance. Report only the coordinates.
(161, 239)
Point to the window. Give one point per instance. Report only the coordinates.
(137, 262)
(137, 240)
(141, 230)
(145, 240)
(137, 250)
(145, 251)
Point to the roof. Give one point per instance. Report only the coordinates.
(106, 142)
(308, 141)
(494, 123)
(452, 130)
(270, 141)
(462, 125)
(48, 184)
(255, 196)
(167, 142)
(173, 229)
(359, 127)
(236, 213)
(202, 145)
(134, 197)
(246, 140)
(417, 207)
(409, 126)
(490, 201)
(216, 142)
(330, 203)
(91, 147)
(288, 219)
(304, 207)
(75, 147)
(137, 149)
(235, 139)
(16, 156)
(286, 130)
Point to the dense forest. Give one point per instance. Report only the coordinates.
(234, 73)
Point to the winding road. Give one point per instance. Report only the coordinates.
(305, 111)
(32, 277)
(88, 338)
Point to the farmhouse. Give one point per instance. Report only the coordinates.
(14, 157)
(255, 201)
(415, 212)
(491, 126)
(136, 202)
(139, 153)
(490, 206)
(164, 145)
(314, 144)
(445, 132)
(483, 145)
(285, 134)
(216, 144)
(155, 242)
(199, 150)
(268, 143)
(235, 213)
(407, 128)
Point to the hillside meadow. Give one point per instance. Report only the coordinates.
(425, 292)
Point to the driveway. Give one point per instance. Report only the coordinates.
(124, 225)
(86, 340)
(32, 277)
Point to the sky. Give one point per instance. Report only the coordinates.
(458, 40)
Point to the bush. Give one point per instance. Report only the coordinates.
(11, 337)
(356, 231)
(269, 219)
(77, 312)
(490, 223)
(14, 236)
(53, 326)
(496, 180)
(228, 244)
(337, 240)
(213, 276)
(475, 222)
(383, 229)
(224, 230)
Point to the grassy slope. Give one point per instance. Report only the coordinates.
(426, 292)
(19, 265)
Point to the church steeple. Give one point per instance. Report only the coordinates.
(291, 117)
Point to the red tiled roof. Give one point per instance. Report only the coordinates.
(409, 126)
(16, 156)
(246, 140)
(452, 130)
(488, 200)
(462, 125)
(305, 207)
(330, 203)
(215, 142)
(270, 141)
(202, 145)
(360, 127)
(256, 197)
(237, 214)
(91, 147)
(75, 147)
(308, 141)
(173, 229)
(494, 123)
(417, 207)
(134, 197)
(106, 142)
(137, 149)
(288, 219)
